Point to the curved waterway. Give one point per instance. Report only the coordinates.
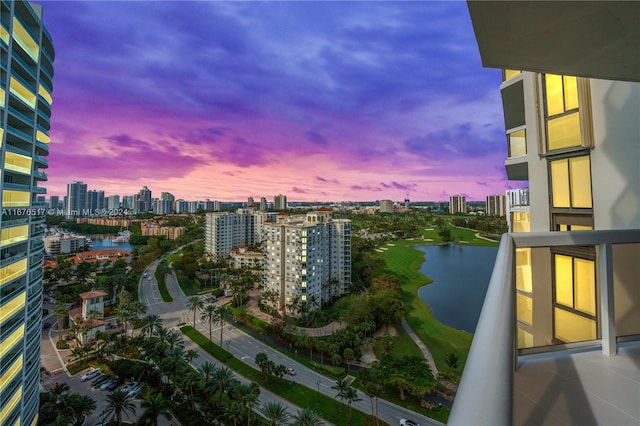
(101, 242)
(460, 277)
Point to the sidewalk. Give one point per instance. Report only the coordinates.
(425, 350)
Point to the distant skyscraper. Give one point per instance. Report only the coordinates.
(95, 200)
(250, 201)
(496, 205)
(25, 103)
(407, 204)
(386, 206)
(144, 200)
(263, 204)
(280, 202)
(113, 202)
(182, 206)
(128, 202)
(76, 198)
(166, 202)
(54, 202)
(208, 205)
(457, 204)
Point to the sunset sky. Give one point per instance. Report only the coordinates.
(325, 101)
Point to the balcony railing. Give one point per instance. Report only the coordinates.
(485, 394)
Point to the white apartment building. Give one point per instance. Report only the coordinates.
(225, 230)
(307, 259)
(496, 205)
(457, 204)
(63, 243)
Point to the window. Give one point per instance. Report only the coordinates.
(562, 112)
(509, 74)
(575, 307)
(517, 143)
(571, 182)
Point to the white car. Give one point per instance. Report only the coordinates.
(135, 390)
(405, 422)
(290, 371)
(90, 374)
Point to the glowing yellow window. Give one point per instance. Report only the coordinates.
(22, 92)
(42, 91)
(25, 40)
(11, 373)
(560, 183)
(562, 115)
(12, 272)
(521, 221)
(571, 182)
(2, 95)
(509, 74)
(42, 136)
(523, 270)
(15, 198)
(517, 143)
(17, 162)
(7, 409)
(564, 131)
(7, 344)
(16, 304)
(4, 34)
(13, 235)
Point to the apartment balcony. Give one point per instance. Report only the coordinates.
(592, 382)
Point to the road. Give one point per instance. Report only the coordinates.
(245, 347)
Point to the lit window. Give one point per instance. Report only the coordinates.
(509, 74)
(561, 114)
(571, 182)
(517, 143)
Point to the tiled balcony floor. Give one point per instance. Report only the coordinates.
(579, 388)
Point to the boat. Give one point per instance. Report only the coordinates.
(122, 238)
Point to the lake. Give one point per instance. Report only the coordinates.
(460, 277)
(102, 242)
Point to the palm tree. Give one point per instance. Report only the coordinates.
(452, 361)
(119, 403)
(307, 417)
(223, 377)
(150, 323)
(248, 395)
(275, 413)
(351, 395)
(80, 405)
(61, 313)
(374, 391)
(210, 314)
(136, 308)
(194, 304)
(234, 412)
(207, 369)
(153, 407)
(190, 355)
(222, 311)
(341, 386)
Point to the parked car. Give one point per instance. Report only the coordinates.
(114, 384)
(135, 390)
(405, 422)
(109, 382)
(90, 374)
(290, 371)
(100, 379)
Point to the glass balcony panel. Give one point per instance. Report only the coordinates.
(524, 308)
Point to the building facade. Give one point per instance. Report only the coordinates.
(25, 104)
(76, 198)
(307, 260)
(280, 202)
(386, 206)
(457, 204)
(496, 205)
(571, 99)
(225, 230)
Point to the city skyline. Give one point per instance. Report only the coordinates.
(319, 101)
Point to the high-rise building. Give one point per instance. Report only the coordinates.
(25, 102)
(225, 230)
(496, 205)
(76, 199)
(250, 201)
(263, 204)
(144, 200)
(386, 206)
(182, 206)
(165, 204)
(571, 98)
(307, 260)
(113, 202)
(95, 201)
(457, 204)
(518, 211)
(129, 202)
(54, 202)
(280, 202)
